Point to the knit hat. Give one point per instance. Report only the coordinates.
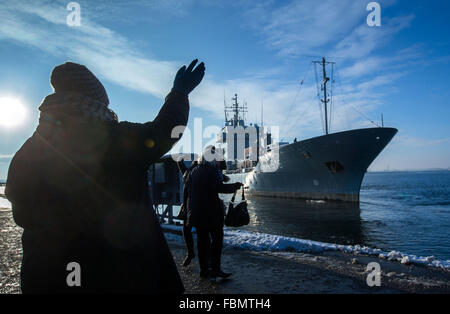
(74, 77)
(77, 93)
(211, 154)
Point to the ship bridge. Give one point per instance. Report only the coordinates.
(241, 142)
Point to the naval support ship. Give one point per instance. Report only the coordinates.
(327, 167)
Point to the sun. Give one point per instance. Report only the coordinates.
(12, 112)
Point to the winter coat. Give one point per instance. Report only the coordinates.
(203, 206)
(80, 191)
(184, 172)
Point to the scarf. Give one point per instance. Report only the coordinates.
(78, 105)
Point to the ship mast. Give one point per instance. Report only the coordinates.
(237, 111)
(325, 99)
(235, 108)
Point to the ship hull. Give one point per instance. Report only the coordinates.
(328, 167)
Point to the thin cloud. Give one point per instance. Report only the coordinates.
(414, 141)
(303, 27)
(375, 65)
(114, 58)
(6, 157)
(364, 40)
(106, 52)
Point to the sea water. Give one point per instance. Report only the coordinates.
(402, 211)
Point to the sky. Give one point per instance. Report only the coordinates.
(260, 49)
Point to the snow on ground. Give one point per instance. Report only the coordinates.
(268, 242)
(4, 203)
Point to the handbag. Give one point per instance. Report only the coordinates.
(237, 216)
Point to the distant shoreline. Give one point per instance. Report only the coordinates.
(410, 170)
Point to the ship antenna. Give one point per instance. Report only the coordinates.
(236, 109)
(225, 107)
(262, 112)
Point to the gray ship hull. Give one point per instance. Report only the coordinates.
(328, 167)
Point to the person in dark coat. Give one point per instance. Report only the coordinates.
(187, 229)
(79, 189)
(205, 211)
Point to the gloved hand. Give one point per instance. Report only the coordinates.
(187, 79)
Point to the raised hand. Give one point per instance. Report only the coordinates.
(188, 78)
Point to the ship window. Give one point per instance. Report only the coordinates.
(334, 166)
(306, 154)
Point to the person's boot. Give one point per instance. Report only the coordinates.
(220, 274)
(188, 259)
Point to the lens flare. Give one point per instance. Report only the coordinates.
(12, 112)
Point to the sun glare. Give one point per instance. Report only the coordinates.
(12, 112)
